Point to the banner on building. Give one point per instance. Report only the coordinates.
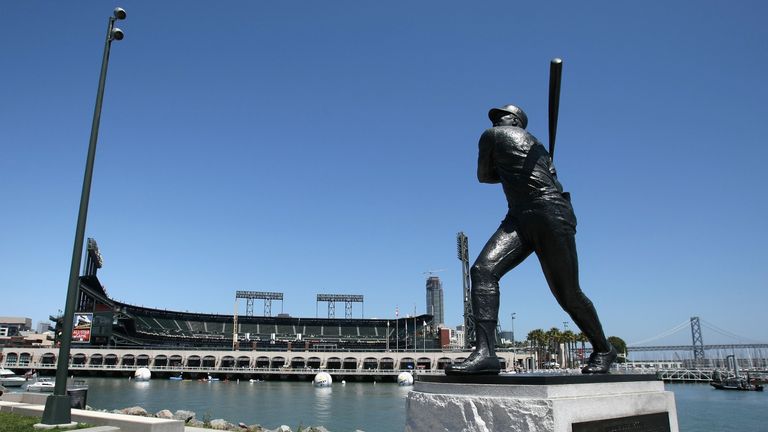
(81, 328)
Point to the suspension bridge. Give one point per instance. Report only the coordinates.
(751, 354)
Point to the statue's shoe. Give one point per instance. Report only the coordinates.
(476, 364)
(600, 362)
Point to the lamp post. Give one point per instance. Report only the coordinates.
(388, 335)
(513, 330)
(57, 406)
(514, 352)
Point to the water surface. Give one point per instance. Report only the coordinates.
(374, 407)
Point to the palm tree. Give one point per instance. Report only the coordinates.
(581, 337)
(568, 337)
(553, 338)
(537, 338)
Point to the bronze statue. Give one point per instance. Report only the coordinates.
(541, 220)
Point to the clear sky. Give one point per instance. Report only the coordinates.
(330, 147)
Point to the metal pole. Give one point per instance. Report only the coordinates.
(57, 406)
(514, 357)
(387, 335)
(513, 331)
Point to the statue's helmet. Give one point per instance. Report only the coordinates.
(496, 113)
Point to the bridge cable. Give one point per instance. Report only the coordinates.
(663, 334)
(723, 332)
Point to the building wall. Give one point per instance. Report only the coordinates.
(44, 358)
(11, 326)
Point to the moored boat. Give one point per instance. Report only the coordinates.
(736, 382)
(42, 385)
(9, 379)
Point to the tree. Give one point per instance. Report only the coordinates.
(620, 346)
(537, 338)
(581, 337)
(553, 338)
(568, 338)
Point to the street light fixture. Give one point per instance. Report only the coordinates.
(58, 405)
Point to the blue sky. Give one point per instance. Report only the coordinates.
(330, 147)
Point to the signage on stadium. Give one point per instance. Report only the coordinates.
(81, 328)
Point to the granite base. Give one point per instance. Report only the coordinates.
(541, 403)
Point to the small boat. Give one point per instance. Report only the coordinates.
(736, 382)
(9, 379)
(42, 385)
(176, 378)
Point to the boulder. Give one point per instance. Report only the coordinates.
(221, 424)
(164, 414)
(196, 423)
(135, 410)
(185, 416)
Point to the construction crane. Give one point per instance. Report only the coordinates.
(431, 273)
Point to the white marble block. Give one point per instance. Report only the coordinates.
(573, 405)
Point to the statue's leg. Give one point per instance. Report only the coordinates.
(557, 254)
(503, 252)
(559, 261)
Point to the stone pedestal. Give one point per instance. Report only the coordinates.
(541, 403)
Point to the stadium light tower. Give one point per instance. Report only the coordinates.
(58, 406)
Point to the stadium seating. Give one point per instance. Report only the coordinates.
(155, 327)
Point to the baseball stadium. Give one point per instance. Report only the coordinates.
(113, 338)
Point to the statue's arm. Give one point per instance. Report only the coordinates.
(486, 166)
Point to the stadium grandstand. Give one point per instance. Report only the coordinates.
(114, 323)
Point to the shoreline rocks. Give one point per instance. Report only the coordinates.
(190, 419)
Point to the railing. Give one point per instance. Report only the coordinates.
(238, 370)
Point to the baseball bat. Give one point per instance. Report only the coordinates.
(555, 76)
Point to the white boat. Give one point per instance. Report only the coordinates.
(9, 379)
(42, 385)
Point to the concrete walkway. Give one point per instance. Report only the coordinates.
(33, 405)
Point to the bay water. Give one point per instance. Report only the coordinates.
(373, 407)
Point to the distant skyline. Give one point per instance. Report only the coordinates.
(313, 148)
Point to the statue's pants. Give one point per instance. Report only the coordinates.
(549, 232)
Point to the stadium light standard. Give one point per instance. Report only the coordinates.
(58, 406)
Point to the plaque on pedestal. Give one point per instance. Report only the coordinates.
(541, 403)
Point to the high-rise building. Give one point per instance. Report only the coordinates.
(435, 300)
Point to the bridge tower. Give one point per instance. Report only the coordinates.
(698, 342)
